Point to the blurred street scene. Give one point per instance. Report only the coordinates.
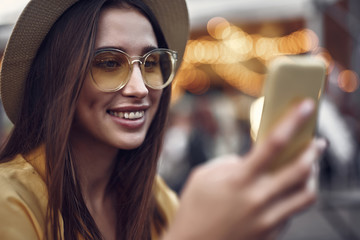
(216, 103)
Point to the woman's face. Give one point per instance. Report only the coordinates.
(119, 119)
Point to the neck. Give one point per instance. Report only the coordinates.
(94, 165)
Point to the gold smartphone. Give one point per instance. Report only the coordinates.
(291, 79)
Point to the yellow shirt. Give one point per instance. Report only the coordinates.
(23, 198)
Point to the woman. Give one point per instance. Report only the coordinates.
(87, 85)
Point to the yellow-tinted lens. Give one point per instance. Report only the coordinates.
(110, 70)
(158, 68)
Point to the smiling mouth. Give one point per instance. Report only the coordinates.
(128, 115)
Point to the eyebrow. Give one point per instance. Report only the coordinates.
(144, 50)
(148, 49)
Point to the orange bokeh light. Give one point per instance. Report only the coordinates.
(348, 81)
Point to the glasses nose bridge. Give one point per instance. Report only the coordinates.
(135, 59)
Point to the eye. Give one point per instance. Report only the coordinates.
(109, 61)
(151, 62)
(107, 64)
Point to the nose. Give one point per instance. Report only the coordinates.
(135, 87)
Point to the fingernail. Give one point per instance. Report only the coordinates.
(307, 107)
(309, 157)
(322, 144)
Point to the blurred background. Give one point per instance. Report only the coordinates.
(216, 104)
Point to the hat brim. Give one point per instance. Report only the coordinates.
(36, 21)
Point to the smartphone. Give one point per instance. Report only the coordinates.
(289, 80)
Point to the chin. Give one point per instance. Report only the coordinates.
(130, 147)
(130, 144)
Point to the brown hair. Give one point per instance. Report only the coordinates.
(51, 92)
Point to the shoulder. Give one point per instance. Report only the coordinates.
(166, 198)
(23, 200)
(19, 177)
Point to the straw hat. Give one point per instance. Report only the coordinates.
(35, 22)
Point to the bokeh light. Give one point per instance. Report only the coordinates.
(326, 57)
(228, 49)
(216, 27)
(348, 81)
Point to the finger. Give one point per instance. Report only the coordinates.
(265, 151)
(277, 232)
(286, 208)
(297, 174)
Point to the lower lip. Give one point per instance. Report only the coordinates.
(129, 124)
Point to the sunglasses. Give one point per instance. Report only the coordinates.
(111, 68)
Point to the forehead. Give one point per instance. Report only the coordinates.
(125, 28)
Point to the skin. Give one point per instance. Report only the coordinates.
(97, 135)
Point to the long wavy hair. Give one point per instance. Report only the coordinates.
(48, 106)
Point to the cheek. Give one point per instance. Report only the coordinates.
(155, 96)
(90, 98)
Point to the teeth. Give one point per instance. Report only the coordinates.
(128, 115)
